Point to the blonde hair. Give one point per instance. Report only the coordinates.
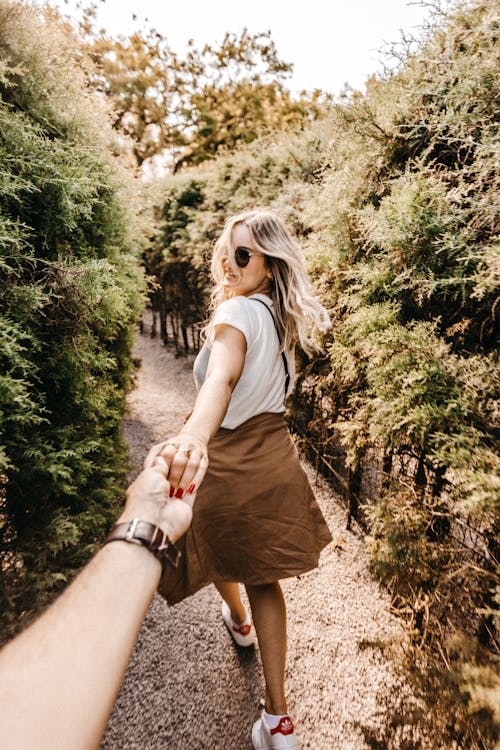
(299, 315)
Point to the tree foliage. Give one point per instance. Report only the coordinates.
(140, 75)
(193, 107)
(235, 93)
(70, 291)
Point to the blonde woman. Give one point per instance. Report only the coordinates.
(255, 519)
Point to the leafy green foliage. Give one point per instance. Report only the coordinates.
(70, 293)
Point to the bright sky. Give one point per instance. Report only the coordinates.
(329, 42)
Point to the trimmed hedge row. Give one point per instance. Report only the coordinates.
(70, 293)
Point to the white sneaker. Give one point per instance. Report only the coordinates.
(281, 738)
(243, 635)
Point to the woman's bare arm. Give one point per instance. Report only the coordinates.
(224, 370)
(225, 366)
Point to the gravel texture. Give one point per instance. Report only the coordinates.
(189, 688)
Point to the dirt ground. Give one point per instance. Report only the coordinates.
(189, 688)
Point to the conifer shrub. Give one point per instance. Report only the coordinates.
(70, 294)
(412, 274)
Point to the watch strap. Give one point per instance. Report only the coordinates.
(150, 536)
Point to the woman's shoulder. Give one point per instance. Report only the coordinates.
(239, 305)
(243, 313)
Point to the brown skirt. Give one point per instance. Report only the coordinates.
(255, 519)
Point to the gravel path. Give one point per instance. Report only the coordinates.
(189, 688)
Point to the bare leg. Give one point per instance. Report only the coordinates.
(269, 616)
(230, 592)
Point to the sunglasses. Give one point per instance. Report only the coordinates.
(242, 256)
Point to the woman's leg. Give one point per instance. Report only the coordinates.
(269, 616)
(230, 592)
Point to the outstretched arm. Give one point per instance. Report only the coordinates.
(60, 677)
(225, 366)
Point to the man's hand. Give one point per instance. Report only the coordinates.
(148, 500)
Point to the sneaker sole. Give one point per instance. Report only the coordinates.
(283, 744)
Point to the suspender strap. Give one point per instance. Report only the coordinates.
(283, 355)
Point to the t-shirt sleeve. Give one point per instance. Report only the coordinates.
(238, 313)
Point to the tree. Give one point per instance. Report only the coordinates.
(140, 75)
(190, 109)
(70, 294)
(236, 93)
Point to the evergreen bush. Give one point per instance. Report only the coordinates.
(70, 294)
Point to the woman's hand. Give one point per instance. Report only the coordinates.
(186, 456)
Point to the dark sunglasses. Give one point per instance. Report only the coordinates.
(242, 256)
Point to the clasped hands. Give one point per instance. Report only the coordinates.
(173, 469)
(185, 455)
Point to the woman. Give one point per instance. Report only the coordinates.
(255, 518)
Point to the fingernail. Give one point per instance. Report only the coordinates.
(191, 489)
(171, 491)
(179, 493)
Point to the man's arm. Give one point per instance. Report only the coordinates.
(59, 679)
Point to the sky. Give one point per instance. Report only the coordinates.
(330, 42)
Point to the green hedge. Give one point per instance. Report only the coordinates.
(70, 293)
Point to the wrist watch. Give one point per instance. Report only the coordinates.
(150, 536)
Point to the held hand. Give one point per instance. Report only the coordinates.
(148, 499)
(186, 456)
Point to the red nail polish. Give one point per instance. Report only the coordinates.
(179, 493)
(191, 489)
(171, 491)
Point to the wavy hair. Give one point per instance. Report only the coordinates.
(299, 315)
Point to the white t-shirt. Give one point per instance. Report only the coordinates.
(261, 387)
